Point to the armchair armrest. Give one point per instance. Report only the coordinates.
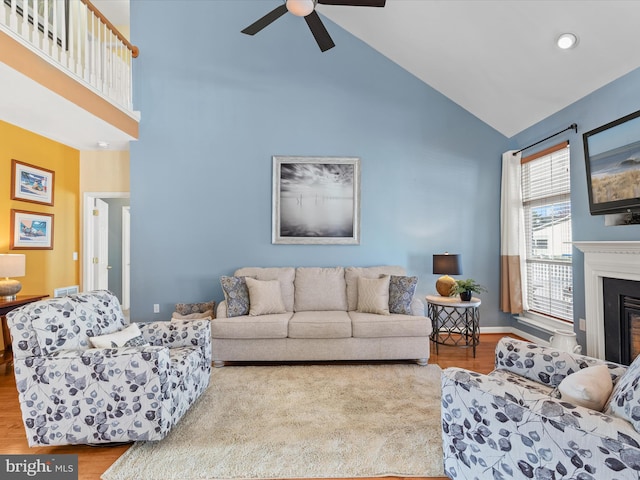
(98, 395)
(545, 365)
(178, 333)
(495, 429)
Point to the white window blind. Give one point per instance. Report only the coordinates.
(547, 214)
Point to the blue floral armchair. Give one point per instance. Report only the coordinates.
(72, 393)
(513, 423)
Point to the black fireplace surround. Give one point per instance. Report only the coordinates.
(621, 319)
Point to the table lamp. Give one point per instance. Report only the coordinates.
(446, 264)
(11, 265)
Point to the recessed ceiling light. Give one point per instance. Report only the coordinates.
(102, 144)
(567, 41)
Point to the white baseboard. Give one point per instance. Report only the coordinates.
(507, 330)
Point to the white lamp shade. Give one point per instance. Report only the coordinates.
(301, 8)
(12, 265)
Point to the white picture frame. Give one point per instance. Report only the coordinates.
(316, 200)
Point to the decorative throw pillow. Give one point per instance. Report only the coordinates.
(401, 291)
(128, 337)
(193, 316)
(590, 387)
(188, 308)
(373, 295)
(625, 399)
(265, 297)
(236, 294)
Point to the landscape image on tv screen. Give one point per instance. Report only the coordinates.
(614, 163)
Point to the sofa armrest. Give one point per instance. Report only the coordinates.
(494, 429)
(221, 312)
(545, 365)
(98, 395)
(178, 333)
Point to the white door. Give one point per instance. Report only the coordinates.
(126, 256)
(100, 262)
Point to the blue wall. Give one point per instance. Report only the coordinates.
(609, 103)
(217, 104)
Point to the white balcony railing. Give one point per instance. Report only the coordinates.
(74, 36)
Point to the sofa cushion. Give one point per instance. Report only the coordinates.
(67, 323)
(236, 294)
(373, 295)
(246, 326)
(285, 275)
(127, 337)
(351, 275)
(208, 315)
(190, 308)
(625, 399)
(321, 324)
(536, 388)
(589, 387)
(401, 291)
(370, 325)
(265, 297)
(319, 289)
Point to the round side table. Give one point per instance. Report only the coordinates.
(454, 322)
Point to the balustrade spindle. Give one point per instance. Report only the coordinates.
(45, 25)
(25, 20)
(78, 39)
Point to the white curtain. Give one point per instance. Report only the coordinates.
(512, 237)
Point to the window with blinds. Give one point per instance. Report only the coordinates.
(547, 215)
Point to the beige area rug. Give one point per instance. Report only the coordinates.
(301, 421)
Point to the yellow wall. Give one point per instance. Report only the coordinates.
(46, 269)
(101, 171)
(104, 171)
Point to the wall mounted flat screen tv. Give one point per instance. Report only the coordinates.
(612, 155)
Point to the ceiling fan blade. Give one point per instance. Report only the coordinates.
(319, 31)
(265, 21)
(354, 3)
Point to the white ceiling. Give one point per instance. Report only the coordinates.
(495, 58)
(498, 58)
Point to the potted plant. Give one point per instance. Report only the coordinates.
(465, 288)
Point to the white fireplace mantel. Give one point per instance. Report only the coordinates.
(605, 259)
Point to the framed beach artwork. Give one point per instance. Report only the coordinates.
(31, 230)
(316, 200)
(31, 183)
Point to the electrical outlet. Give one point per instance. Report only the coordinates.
(156, 308)
(582, 325)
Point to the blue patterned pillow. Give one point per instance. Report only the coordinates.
(236, 294)
(401, 291)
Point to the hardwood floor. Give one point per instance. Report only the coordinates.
(93, 461)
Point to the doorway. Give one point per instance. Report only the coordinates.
(106, 244)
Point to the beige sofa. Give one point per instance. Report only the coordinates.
(323, 318)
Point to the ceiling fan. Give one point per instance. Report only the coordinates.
(307, 9)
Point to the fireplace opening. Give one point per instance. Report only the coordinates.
(621, 319)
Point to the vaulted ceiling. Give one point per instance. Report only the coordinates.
(498, 59)
(495, 58)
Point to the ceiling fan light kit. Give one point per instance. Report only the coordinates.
(300, 8)
(307, 9)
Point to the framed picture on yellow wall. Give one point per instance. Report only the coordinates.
(31, 183)
(31, 230)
